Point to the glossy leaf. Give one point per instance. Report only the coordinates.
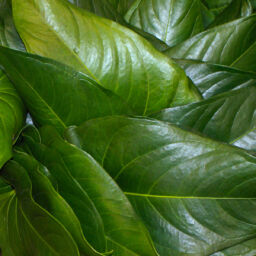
(123, 62)
(12, 114)
(212, 79)
(232, 44)
(247, 141)
(171, 21)
(227, 117)
(31, 230)
(171, 177)
(8, 33)
(76, 171)
(56, 94)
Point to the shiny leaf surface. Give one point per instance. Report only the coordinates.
(227, 117)
(232, 44)
(171, 21)
(123, 62)
(171, 176)
(56, 94)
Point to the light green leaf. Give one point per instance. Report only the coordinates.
(232, 44)
(213, 79)
(226, 117)
(171, 21)
(12, 115)
(123, 62)
(56, 94)
(171, 177)
(76, 171)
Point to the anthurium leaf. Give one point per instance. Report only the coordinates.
(237, 9)
(226, 117)
(4, 187)
(12, 115)
(171, 21)
(40, 233)
(171, 176)
(47, 197)
(8, 33)
(207, 16)
(56, 94)
(232, 44)
(246, 248)
(114, 56)
(247, 141)
(213, 79)
(78, 172)
(217, 6)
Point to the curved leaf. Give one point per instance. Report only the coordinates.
(232, 44)
(247, 141)
(123, 62)
(171, 21)
(56, 94)
(76, 171)
(12, 117)
(226, 117)
(212, 79)
(171, 177)
(28, 224)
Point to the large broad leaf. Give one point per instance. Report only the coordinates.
(190, 204)
(8, 34)
(232, 44)
(12, 116)
(227, 117)
(114, 56)
(247, 141)
(171, 21)
(91, 192)
(56, 94)
(237, 9)
(212, 79)
(29, 229)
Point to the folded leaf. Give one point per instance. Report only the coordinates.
(76, 171)
(171, 21)
(226, 117)
(56, 94)
(232, 44)
(212, 79)
(190, 204)
(31, 230)
(114, 56)
(12, 115)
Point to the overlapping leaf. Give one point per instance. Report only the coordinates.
(232, 44)
(171, 177)
(114, 56)
(170, 21)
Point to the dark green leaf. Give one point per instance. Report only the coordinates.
(232, 44)
(227, 117)
(8, 34)
(30, 229)
(190, 204)
(94, 193)
(12, 116)
(114, 56)
(171, 21)
(56, 94)
(212, 79)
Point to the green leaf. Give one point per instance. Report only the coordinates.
(213, 79)
(247, 141)
(56, 94)
(8, 33)
(114, 56)
(31, 230)
(171, 21)
(76, 171)
(237, 9)
(171, 176)
(232, 44)
(11, 117)
(227, 117)
(4, 187)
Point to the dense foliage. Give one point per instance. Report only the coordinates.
(128, 127)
